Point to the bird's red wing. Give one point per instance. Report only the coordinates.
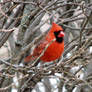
(37, 51)
(39, 48)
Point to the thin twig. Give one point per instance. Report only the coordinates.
(83, 27)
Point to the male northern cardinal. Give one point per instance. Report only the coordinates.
(54, 50)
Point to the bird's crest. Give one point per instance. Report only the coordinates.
(55, 27)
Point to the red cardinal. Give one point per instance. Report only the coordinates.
(55, 49)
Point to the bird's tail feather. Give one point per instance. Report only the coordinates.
(28, 58)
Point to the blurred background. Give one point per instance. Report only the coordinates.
(23, 24)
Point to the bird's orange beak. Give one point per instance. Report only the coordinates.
(61, 34)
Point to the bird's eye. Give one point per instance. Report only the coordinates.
(57, 32)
